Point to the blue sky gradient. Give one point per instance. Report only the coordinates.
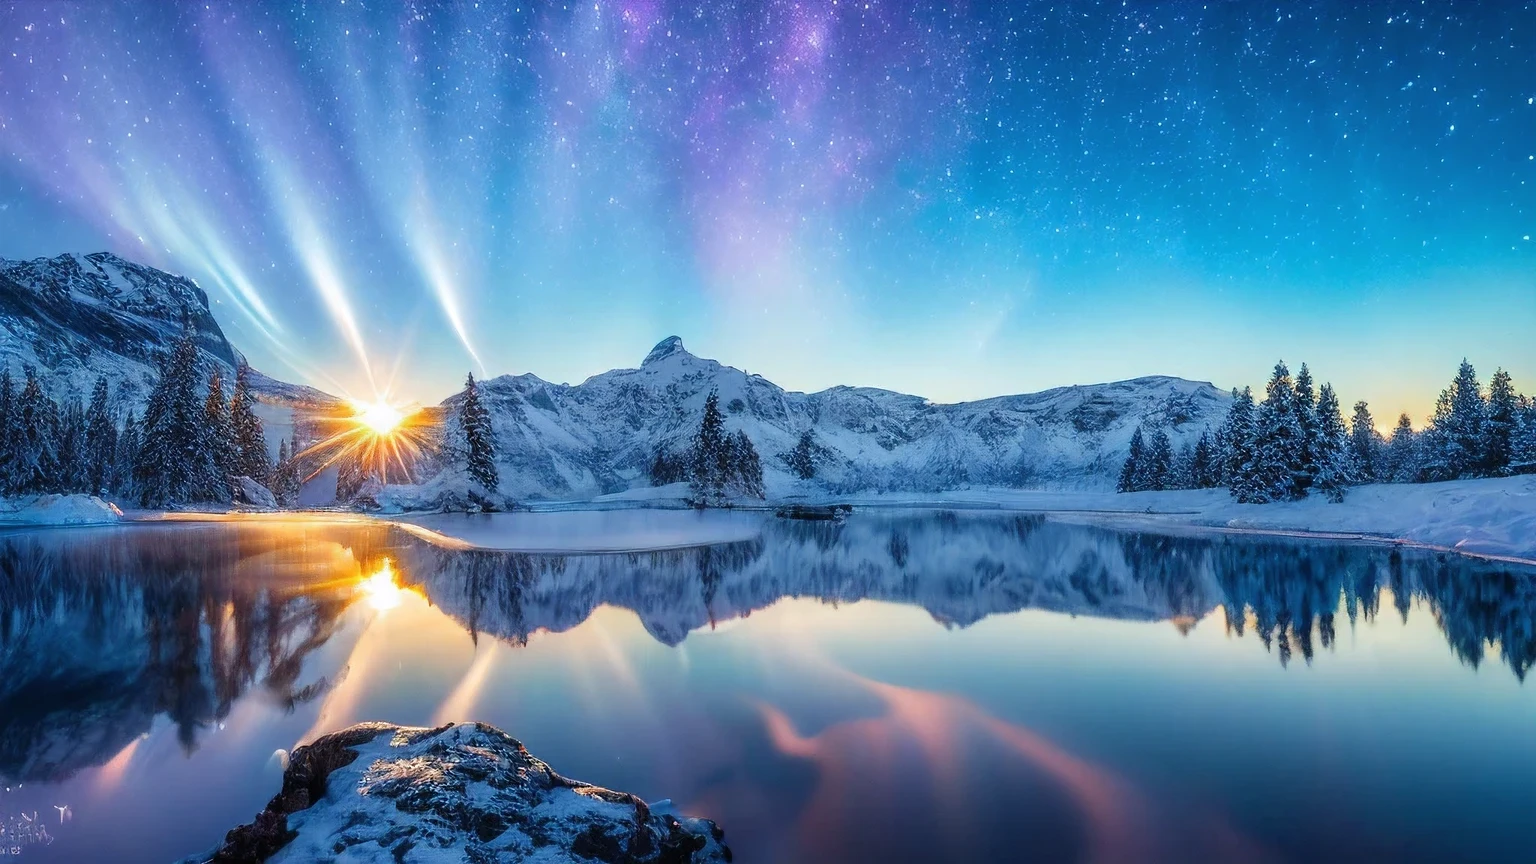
(956, 202)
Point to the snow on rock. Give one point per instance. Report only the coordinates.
(253, 494)
(59, 510)
(565, 442)
(462, 792)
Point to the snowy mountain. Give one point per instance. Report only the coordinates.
(598, 437)
(76, 317)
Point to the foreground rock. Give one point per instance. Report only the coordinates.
(464, 792)
(59, 510)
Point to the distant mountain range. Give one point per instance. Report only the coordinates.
(75, 317)
(597, 437)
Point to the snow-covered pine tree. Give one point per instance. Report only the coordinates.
(1132, 472)
(710, 456)
(251, 459)
(1365, 444)
(67, 474)
(1308, 421)
(287, 474)
(1499, 432)
(175, 463)
(1525, 440)
(1277, 474)
(220, 437)
(1239, 441)
(747, 466)
(33, 457)
(1204, 472)
(1331, 452)
(479, 437)
(126, 454)
(802, 459)
(1402, 453)
(100, 439)
(1158, 467)
(1453, 444)
(7, 431)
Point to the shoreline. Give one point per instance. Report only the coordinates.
(1492, 520)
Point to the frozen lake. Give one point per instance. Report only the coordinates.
(905, 686)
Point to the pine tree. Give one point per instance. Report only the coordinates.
(1204, 472)
(220, 436)
(175, 463)
(710, 456)
(100, 439)
(1158, 468)
(65, 474)
(8, 420)
(287, 475)
(1499, 433)
(251, 459)
(747, 467)
(1331, 454)
(1239, 438)
(127, 453)
(802, 459)
(1402, 454)
(479, 437)
(1308, 422)
(1278, 458)
(35, 466)
(1454, 443)
(1132, 472)
(1364, 444)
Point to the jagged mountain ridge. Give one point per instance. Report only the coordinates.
(598, 437)
(77, 317)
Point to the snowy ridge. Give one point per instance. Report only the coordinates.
(560, 441)
(77, 317)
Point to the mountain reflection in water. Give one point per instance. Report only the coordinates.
(107, 634)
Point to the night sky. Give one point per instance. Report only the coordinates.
(955, 202)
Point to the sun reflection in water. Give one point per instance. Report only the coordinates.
(381, 590)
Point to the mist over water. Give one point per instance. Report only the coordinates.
(902, 686)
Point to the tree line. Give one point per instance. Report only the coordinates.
(190, 445)
(1296, 442)
(717, 465)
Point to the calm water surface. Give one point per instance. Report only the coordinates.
(902, 687)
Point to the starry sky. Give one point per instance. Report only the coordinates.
(958, 202)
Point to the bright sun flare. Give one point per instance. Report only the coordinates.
(380, 589)
(381, 417)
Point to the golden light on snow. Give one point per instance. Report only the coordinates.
(380, 590)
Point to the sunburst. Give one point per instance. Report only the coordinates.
(378, 436)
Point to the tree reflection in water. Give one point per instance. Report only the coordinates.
(103, 630)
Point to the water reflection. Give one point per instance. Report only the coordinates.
(107, 635)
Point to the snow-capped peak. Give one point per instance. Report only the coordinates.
(664, 349)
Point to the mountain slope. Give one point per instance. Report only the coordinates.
(76, 317)
(598, 437)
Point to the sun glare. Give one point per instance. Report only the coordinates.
(380, 417)
(380, 590)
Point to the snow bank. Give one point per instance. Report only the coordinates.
(1484, 517)
(631, 530)
(59, 510)
(463, 792)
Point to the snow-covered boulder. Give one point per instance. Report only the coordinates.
(462, 792)
(253, 494)
(60, 510)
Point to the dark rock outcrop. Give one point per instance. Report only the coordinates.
(468, 792)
